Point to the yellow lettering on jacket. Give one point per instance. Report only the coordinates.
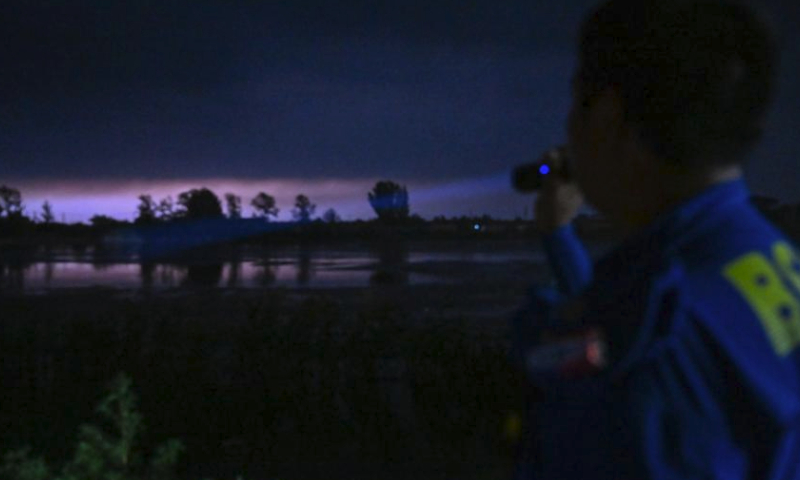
(778, 309)
(788, 262)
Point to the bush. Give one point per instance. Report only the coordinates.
(106, 452)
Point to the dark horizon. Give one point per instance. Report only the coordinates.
(78, 201)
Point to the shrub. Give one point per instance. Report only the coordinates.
(105, 452)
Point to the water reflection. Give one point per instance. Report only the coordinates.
(392, 266)
(203, 275)
(12, 275)
(146, 273)
(232, 278)
(389, 263)
(48, 273)
(304, 271)
(265, 275)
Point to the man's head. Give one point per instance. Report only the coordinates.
(667, 92)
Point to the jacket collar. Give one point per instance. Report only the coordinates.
(687, 220)
(695, 214)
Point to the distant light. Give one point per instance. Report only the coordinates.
(476, 227)
(544, 169)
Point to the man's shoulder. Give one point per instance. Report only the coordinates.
(749, 294)
(720, 280)
(735, 282)
(744, 257)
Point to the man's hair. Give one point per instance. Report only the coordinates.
(695, 76)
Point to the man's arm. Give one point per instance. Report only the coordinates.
(556, 206)
(572, 266)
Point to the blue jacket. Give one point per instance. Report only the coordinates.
(700, 313)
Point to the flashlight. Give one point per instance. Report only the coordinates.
(529, 178)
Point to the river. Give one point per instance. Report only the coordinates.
(39, 270)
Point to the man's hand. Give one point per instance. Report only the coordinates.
(558, 201)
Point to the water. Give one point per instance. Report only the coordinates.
(244, 267)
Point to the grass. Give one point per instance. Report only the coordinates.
(268, 386)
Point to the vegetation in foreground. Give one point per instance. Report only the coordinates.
(273, 387)
(109, 451)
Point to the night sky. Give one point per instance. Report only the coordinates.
(103, 100)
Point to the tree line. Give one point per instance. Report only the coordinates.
(388, 199)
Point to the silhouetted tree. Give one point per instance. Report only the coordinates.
(264, 206)
(233, 203)
(165, 209)
(199, 203)
(10, 202)
(416, 219)
(47, 213)
(389, 200)
(303, 208)
(104, 222)
(146, 210)
(330, 216)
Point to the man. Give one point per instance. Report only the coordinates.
(675, 356)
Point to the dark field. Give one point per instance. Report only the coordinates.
(385, 381)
